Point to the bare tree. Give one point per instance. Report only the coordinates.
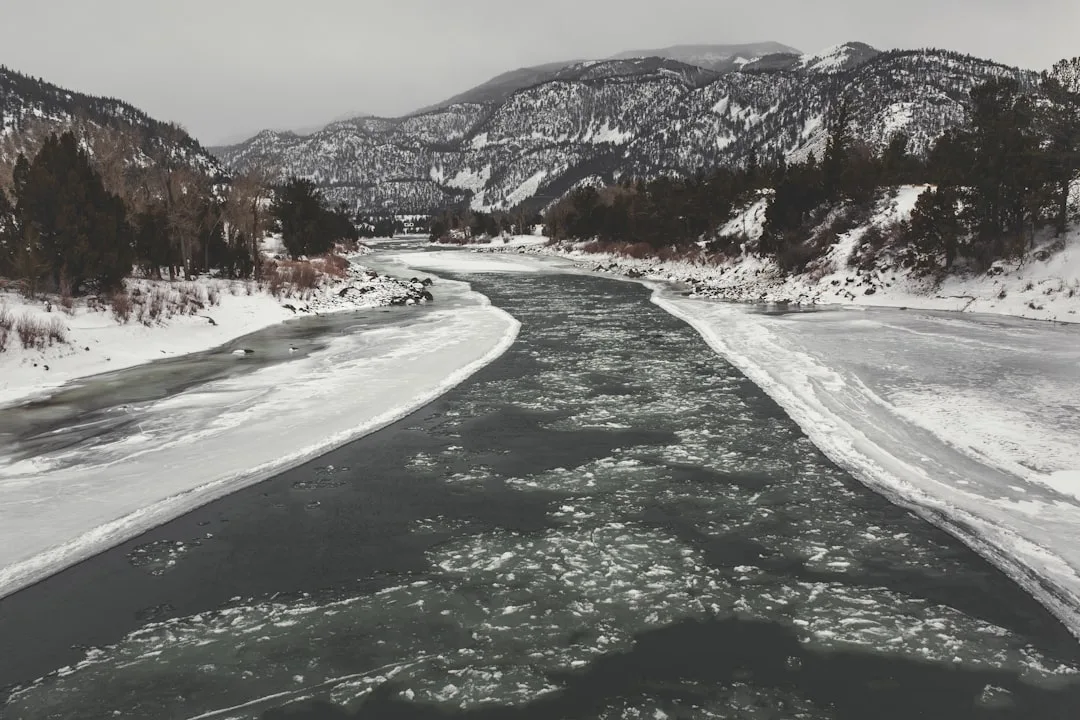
(185, 194)
(245, 211)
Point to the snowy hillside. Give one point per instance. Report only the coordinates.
(33, 106)
(603, 120)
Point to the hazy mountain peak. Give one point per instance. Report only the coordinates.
(721, 58)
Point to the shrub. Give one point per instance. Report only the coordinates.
(32, 333)
(7, 320)
(122, 306)
(335, 265)
(57, 331)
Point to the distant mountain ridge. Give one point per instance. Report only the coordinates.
(718, 58)
(602, 120)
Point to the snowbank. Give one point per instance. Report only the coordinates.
(970, 422)
(221, 310)
(216, 438)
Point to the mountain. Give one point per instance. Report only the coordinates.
(719, 58)
(837, 59)
(31, 107)
(599, 121)
(503, 86)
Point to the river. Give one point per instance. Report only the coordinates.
(609, 521)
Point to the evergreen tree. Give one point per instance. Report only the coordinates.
(78, 229)
(1003, 153)
(298, 207)
(837, 148)
(7, 234)
(934, 231)
(1061, 121)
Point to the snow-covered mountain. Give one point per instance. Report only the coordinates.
(598, 121)
(31, 106)
(719, 58)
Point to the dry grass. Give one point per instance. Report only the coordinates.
(644, 251)
(291, 278)
(332, 264)
(7, 323)
(7, 320)
(37, 333)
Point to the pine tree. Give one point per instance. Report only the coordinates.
(1061, 121)
(934, 230)
(71, 222)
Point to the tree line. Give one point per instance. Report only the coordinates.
(75, 222)
(996, 180)
(464, 225)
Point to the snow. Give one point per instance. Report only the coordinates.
(605, 134)
(526, 190)
(465, 263)
(897, 118)
(211, 440)
(468, 179)
(98, 342)
(827, 60)
(750, 221)
(501, 241)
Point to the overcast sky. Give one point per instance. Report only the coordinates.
(227, 68)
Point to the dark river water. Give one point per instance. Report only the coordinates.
(607, 522)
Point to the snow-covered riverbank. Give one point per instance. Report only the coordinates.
(208, 441)
(187, 317)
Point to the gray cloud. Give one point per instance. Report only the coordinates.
(225, 68)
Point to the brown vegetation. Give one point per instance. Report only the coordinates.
(38, 333)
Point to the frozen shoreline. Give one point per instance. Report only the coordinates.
(1026, 526)
(97, 342)
(210, 441)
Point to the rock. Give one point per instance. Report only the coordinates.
(427, 282)
(211, 321)
(289, 307)
(243, 352)
(632, 273)
(871, 291)
(428, 297)
(343, 292)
